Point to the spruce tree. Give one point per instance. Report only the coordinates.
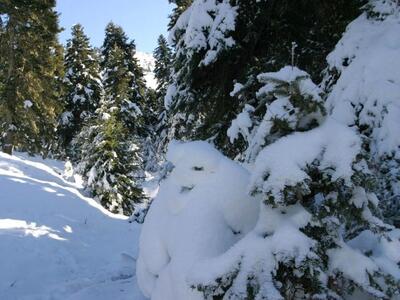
(163, 64)
(120, 95)
(314, 175)
(83, 87)
(318, 204)
(285, 102)
(373, 109)
(162, 72)
(238, 40)
(111, 145)
(138, 104)
(110, 161)
(30, 61)
(181, 6)
(55, 147)
(121, 68)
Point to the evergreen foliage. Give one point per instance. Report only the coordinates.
(373, 114)
(163, 65)
(181, 6)
(241, 39)
(30, 63)
(120, 95)
(120, 66)
(110, 146)
(317, 187)
(272, 84)
(109, 162)
(162, 72)
(83, 87)
(315, 176)
(287, 101)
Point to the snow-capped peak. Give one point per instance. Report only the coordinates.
(147, 62)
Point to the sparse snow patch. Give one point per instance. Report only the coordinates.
(28, 104)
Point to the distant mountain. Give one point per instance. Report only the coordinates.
(147, 62)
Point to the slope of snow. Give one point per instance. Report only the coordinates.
(56, 243)
(147, 62)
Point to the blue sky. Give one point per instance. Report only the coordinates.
(142, 20)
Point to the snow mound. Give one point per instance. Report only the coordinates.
(202, 209)
(57, 244)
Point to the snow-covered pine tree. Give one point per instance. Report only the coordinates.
(365, 95)
(111, 146)
(286, 101)
(217, 42)
(110, 162)
(29, 57)
(120, 67)
(83, 87)
(162, 72)
(181, 6)
(320, 234)
(320, 185)
(163, 64)
(120, 95)
(197, 45)
(139, 104)
(319, 205)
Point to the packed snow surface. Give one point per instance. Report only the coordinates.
(56, 243)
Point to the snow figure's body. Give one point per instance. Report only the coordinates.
(202, 209)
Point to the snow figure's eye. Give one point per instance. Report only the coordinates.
(195, 168)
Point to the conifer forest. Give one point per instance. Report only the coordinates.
(253, 155)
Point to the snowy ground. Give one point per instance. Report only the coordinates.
(57, 244)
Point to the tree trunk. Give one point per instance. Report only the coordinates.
(7, 145)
